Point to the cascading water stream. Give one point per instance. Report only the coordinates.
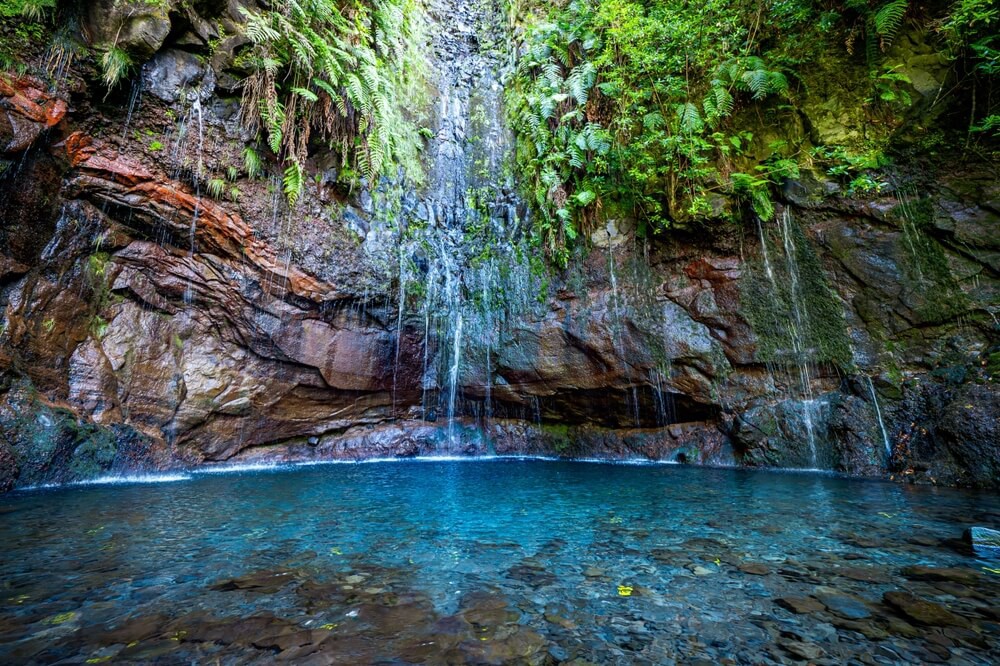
(460, 224)
(797, 325)
(453, 377)
(881, 423)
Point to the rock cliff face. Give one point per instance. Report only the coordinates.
(148, 323)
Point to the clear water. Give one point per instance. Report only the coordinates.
(485, 562)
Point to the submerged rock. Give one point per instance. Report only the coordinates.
(922, 611)
(846, 606)
(800, 605)
(946, 574)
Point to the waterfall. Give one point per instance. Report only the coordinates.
(456, 363)
(795, 324)
(460, 232)
(881, 422)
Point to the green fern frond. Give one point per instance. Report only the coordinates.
(292, 182)
(252, 162)
(688, 118)
(888, 19)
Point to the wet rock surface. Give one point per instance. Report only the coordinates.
(226, 328)
(983, 540)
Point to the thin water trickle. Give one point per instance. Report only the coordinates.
(881, 423)
(801, 355)
(767, 260)
(133, 105)
(399, 325)
(453, 376)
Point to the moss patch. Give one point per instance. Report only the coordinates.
(770, 305)
(926, 273)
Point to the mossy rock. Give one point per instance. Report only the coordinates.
(51, 445)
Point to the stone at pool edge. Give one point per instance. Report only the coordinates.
(984, 541)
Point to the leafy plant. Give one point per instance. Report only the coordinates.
(115, 65)
(625, 105)
(888, 85)
(251, 162)
(216, 188)
(877, 24)
(341, 71)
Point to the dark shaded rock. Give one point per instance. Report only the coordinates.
(865, 575)
(865, 628)
(771, 435)
(261, 582)
(970, 431)
(922, 611)
(807, 651)
(135, 629)
(754, 569)
(8, 468)
(48, 444)
(172, 72)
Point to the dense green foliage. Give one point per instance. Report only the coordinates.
(647, 108)
(20, 28)
(343, 70)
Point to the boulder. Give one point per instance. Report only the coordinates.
(171, 73)
(984, 541)
(136, 26)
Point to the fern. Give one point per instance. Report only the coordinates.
(115, 65)
(216, 188)
(306, 94)
(688, 118)
(888, 19)
(341, 72)
(292, 182)
(36, 10)
(252, 163)
(718, 103)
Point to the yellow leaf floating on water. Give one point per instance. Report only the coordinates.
(62, 618)
(992, 571)
(98, 660)
(328, 627)
(717, 562)
(624, 591)
(336, 551)
(887, 515)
